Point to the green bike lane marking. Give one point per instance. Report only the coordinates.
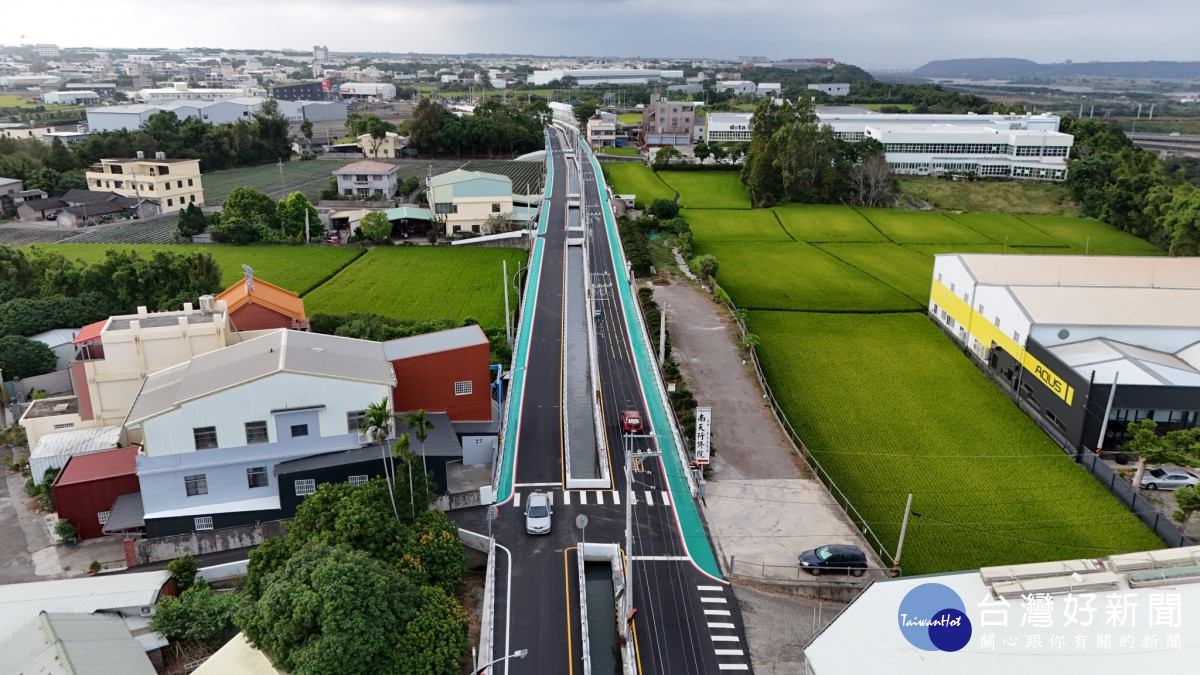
(512, 424)
(691, 529)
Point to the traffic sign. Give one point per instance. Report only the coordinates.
(581, 521)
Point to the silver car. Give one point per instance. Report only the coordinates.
(537, 513)
(1159, 478)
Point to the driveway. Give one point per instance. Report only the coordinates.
(16, 564)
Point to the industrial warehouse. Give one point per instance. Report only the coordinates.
(1063, 331)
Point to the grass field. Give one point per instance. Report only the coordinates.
(707, 189)
(827, 223)
(736, 225)
(989, 488)
(629, 118)
(627, 151)
(990, 196)
(1092, 236)
(921, 227)
(900, 267)
(296, 268)
(1004, 228)
(638, 179)
(422, 283)
(800, 277)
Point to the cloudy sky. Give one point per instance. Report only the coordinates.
(869, 33)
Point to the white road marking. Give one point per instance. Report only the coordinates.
(517, 500)
(666, 498)
(537, 485)
(717, 600)
(582, 498)
(616, 497)
(670, 558)
(649, 498)
(566, 499)
(718, 589)
(729, 652)
(717, 612)
(721, 625)
(724, 638)
(733, 666)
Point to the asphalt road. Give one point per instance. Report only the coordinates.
(686, 622)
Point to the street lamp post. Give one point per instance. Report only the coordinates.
(519, 654)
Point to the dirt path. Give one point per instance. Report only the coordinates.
(748, 441)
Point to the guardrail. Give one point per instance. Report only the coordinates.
(487, 627)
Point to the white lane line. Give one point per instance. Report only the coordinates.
(717, 612)
(537, 484)
(721, 625)
(649, 498)
(633, 498)
(724, 638)
(671, 558)
(616, 497)
(733, 666)
(517, 500)
(715, 600)
(666, 498)
(582, 498)
(729, 652)
(599, 497)
(718, 589)
(566, 499)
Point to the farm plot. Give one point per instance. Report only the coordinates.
(20, 236)
(708, 190)
(1091, 236)
(889, 407)
(637, 179)
(522, 174)
(306, 177)
(799, 277)
(156, 230)
(921, 227)
(738, 225)
(819, 222)
(422, 283)
(897, 266)
(1004, 228)
(296, 268)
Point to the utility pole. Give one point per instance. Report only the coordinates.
(662, 336)
(903, 529)
(507, 316)
(306, 233)
(1112, 393)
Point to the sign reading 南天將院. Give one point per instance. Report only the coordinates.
(703, 427)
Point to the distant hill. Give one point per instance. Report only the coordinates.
(1013, 69)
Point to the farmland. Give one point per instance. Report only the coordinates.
(422, 283)
(296, 268)
(1005, 229)
(827, 223)
(1093, 236)
(307, 177)
(708, 190)
(989, 196)
(989, 486)
(743, 225)
(637, 179)
(522, 174)
(627, 151)
(900, 267)
(921, 227)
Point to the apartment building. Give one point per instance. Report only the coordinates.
(173, 183)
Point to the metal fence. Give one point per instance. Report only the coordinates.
(1160, 524)
(769, 572)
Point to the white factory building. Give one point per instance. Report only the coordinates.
(593, 77)
(368, 90)
(1008, 146)
(76, 97)
(131, 117)
(179, 91)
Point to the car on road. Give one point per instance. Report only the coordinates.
(631, 422)
(537, 513)
(834, 558)
(1159, 478)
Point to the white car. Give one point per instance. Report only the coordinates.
(1159, 478)
(537, 513)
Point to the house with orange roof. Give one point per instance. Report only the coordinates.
(255, 304)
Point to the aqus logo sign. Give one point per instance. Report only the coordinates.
(933, 618)
(1061, 389)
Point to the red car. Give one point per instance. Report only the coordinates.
(631, 422)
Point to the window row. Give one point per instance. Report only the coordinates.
(134, 185)
(303, 487)
(205, 438)
(979, 149)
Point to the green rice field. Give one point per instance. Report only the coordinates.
(989, 488)
(708, 190)
(819, 223)
(921, 227)
(423, 283)
(296, 268)
(1005, 229)
(735, 225)
(900, 267)
(638, 179)
(1092, 236)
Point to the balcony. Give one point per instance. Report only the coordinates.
(87, 352)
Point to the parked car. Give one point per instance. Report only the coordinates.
(537, 513)
(631, 422)
(331, 237)
(1159, 478)
(834, 558)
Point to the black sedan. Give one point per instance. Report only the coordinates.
(834, 558)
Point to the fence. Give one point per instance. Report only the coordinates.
(1161, 525)
(57, 382)
(196, 543)
(839, 585)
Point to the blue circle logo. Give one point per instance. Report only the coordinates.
(932, 617)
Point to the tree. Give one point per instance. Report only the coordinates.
(1188, 499)
(192, 221)
(377, 425)
(294, 214)
(436, 541)
(183, 571)
(584, 111)
(664, 209)
(341, 514)
(327, 603)
(376, 227)
(237, 230)
(419, 425)
(197, 614)
(375, 127)
(702, 151)
(1182, 223)
(871, 183)
(705, 266)
(271, 132)
(251, 205)
(663, 157)
(1154, 449)
(22, 357)
(306, 129)
(427, 120)
(436, 638)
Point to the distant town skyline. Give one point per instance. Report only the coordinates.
(874, 34)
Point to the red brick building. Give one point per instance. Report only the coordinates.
(87, 486)
(444, 372)
(259, 305)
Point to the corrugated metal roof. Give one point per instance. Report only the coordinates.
(127, 513)
(21, 603)
(237, 656)
(90, 331)
(1076, 270)
(430, 343)
(1100, 359)
(98, 465)
(367, 454)
(95, 644)
(408, 213)
(1097, 306)
(55, 337)
(78, 441)
(277, 351)
(263, 293)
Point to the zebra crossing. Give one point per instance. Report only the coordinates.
(731, 654)
(593, 497)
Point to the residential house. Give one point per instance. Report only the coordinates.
(88, 207)
(773, 89)
(214, 428)
(173, 183)
(446, 372)
(365, 178)
(601, 134)
(465, 200)
(11, 186)
(87, 486)
(668, 122)
(61, 341)
(387, 147)
(737, 86)
(255, 304)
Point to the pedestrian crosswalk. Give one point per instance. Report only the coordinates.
(593, 497)
(731, 655)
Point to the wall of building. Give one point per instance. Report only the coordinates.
(81, 503)
(427, 382)
(249, 532)
(256, 317)
(289, 501)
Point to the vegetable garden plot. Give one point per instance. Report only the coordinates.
(822, 222)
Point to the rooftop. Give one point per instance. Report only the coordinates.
(1076, 270)
(237, 656)
(52, 407)
(98, 465)
(160, 319)
(431, 343)
(77, 441)
(127, 514)
(266, 294)
(1100, 306)
(368, 166)
(461, 176)
(1100, 359)
(21, 603)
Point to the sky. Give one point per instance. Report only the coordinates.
(877, 34)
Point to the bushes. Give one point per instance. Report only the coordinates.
(637, 251)
(663, 209)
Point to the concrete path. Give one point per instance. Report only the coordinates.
(778, 627)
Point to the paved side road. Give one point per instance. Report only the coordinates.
(778, 627)
(16, 565)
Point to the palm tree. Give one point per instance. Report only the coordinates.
(420, 425)
(401, 449)
(377, 424)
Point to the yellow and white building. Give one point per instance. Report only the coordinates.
(466, 199)
(173, 183)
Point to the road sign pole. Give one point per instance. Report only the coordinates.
(903, 529)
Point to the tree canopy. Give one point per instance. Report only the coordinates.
(22, 357)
